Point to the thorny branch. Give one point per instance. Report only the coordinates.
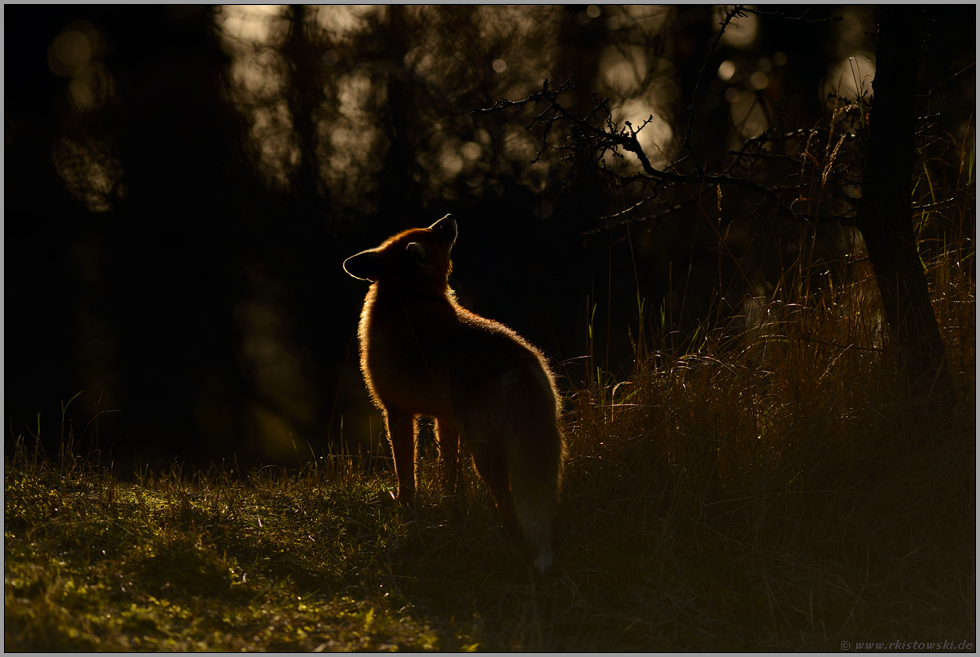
(736, 11)
(663, 213)
(802, 17)
(597, 134)
(588, 137)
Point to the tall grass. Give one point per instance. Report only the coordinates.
(776, 475)
(766, 489)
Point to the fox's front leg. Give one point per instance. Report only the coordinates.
(447, 435)
(401, 432)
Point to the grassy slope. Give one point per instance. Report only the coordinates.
(771, 492)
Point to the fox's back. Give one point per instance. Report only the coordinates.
(427, 354)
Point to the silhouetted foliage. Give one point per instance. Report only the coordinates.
(873, 196)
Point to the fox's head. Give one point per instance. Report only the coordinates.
(418, 257)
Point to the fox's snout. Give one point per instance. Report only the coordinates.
(446, 225)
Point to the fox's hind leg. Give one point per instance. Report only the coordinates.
(401, 433)
(447, 435)
(491, 463)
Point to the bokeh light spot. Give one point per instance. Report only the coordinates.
(72, 49)
(726, 70)
(759, 80)
(471, 150)
(741, 31)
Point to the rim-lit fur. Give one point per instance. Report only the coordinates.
(424, 355)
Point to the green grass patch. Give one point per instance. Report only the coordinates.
(210, 562)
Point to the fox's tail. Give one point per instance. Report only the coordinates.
(535, 477)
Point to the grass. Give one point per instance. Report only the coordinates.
(769, 490)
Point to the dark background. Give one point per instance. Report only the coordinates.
(182, 185)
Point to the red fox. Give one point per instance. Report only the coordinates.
(422, 354)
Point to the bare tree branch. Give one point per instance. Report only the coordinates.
(802, 17)
(599, 140)
(595, 135)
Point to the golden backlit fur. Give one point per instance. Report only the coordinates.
(422, 354)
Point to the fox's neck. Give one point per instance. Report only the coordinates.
(413, 292)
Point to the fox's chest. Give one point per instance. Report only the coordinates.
(406, 346)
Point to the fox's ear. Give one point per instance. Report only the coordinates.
(366, 265)
(418, 253)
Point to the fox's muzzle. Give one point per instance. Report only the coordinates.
(447, 226)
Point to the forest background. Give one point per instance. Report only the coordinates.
(182, 184)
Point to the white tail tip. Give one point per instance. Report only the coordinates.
(544, 559)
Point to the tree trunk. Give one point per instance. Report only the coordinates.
(401, 177)
(886, 220)
(304, 91)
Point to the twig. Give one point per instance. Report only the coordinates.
(957, 74)
(695, 94)
(765, 156)
(658, 215)
(801, 17)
